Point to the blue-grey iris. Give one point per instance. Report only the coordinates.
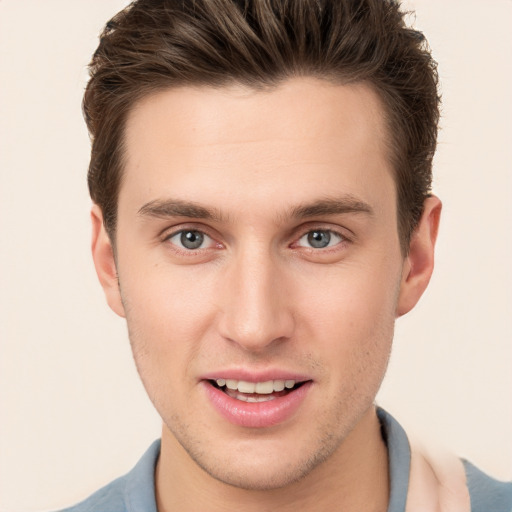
(192, 239)
(319, 239)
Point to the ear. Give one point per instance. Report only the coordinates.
(104, 261)
(419, 263)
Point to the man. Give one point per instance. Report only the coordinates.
(262, 213)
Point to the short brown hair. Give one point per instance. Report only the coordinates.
(157, 44)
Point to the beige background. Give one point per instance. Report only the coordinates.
(73, 414)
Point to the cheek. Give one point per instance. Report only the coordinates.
(355, 315)
(161, 296)
(167, 318)
(357, 296)
(168, 314)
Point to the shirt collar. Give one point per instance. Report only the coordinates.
(399, 456)
(140, 482)
(139, 492)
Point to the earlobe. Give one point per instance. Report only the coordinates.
(104, 262)
(419, 263)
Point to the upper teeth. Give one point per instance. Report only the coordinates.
(264, 388)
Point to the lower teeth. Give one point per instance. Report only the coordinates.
(253, 398)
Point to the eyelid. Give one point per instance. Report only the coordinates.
(206, 239)
(343, 232)
(170, 232)
(341, 238)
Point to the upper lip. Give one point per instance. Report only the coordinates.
(255, 376)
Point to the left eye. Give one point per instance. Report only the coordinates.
(320, 239)
(191, 239)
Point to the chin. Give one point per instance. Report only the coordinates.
(259, 479)
(264, 470)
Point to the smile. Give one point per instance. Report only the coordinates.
(254, 391)
(256, 404)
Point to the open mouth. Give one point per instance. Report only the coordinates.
(260, 404)
(255, 392)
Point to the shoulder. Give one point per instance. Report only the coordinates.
(133, 492)
(486, 493)
(108, 499)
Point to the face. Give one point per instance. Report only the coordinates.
(259, 271)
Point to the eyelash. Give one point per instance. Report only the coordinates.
(343, 240)
(330, 232)
(187, 251)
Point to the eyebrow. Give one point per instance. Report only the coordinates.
(332, 206)
(164, 208)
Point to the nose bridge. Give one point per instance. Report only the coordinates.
(254, 310)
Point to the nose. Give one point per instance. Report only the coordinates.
(255, 309)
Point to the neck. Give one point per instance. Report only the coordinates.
(354, 478)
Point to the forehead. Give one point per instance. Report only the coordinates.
(303, 137)
(207, 115)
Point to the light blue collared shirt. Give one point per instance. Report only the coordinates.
(135, 491)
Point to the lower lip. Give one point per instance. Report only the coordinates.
(259, 414)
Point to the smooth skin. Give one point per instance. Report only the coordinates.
(257, 230)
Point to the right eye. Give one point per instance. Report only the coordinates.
(320, 239)
(191, 239)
